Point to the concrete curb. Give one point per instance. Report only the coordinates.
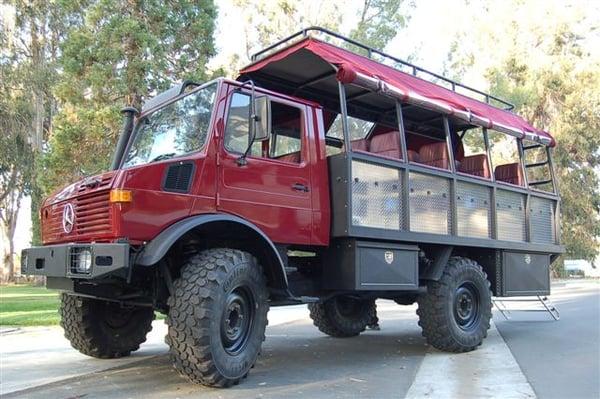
(488, 372)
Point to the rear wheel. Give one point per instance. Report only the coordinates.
(343, 316)
(104, 329)
(455, 313)
(217, 317)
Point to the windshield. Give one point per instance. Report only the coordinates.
(178, 128)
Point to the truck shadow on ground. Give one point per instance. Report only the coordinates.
(296, 360)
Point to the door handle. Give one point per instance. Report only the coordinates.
(299, 187)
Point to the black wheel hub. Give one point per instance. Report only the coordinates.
(116, 316)
(467, 309)
(237, 319)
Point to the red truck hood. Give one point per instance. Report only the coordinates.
(89, 216)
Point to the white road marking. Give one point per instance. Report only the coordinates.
(488, 372)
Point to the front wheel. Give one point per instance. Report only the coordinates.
(217, 317)
(455, 313)
(104, 329)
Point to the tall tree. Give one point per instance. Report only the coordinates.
(552, 74)
(39, 27)
(374, 22)
(125, 51)
(16, 161)
(380, 21)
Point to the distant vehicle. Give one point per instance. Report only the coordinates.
(581, 268)
(320, 176)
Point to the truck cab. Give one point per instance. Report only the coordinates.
(319, 176)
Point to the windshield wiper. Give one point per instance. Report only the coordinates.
(162, 157)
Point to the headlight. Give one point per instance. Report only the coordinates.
(81, 260)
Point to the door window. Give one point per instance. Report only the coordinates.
(285, 143)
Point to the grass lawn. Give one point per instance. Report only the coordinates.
(25, 305)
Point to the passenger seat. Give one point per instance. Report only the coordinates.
(510, 173)
(386, 144)
(413, 156)
(360, 145)
(435, 155)
(476, 165)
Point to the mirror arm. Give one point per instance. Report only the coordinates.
(242, 161)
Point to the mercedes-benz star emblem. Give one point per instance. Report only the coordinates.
(68, 218)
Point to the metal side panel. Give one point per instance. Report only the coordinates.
(473, 210)
(541, 219)
(338, 177)
(351, 264)
(376, 196)
(429, 201)
(385, 266)
(510, 214)
(525, 274)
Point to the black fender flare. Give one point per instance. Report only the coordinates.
(156, 249)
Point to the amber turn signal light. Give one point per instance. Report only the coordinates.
(118, 195)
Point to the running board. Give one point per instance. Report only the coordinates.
(548, 307)
(295, 300)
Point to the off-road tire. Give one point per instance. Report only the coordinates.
(329, 318)
(406, 300)
(437, 312)
(104, 329)
(198, 312)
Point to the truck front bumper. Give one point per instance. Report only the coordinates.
(82, 261)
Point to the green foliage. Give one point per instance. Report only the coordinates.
(552, 74)
(121, 53)
(380, 21)
(82, 144)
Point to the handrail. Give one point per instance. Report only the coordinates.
(370, 51)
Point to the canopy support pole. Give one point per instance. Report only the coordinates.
(344, 114)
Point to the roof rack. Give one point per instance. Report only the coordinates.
(372, 51)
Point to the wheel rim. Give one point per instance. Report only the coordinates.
(237, 319)
(467, 309)
(116, 316)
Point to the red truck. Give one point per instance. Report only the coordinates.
(319, 176)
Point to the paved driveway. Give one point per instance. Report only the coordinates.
(299, 362)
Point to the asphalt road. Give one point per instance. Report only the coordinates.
(527, 359)
(560, 359)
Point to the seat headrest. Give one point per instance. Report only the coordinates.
(476, 165)
(386, 144)
(509, 173)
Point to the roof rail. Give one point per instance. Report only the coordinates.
(371, 51)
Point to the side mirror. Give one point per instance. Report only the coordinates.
(262, 121)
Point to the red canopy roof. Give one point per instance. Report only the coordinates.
(354, 68)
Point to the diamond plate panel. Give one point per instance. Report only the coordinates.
(429, 201)
(376, 196)
(541, 220)
(473, 210)
(510, 214)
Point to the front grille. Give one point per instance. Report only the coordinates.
(92, 218)
(92, 213)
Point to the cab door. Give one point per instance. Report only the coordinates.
(272, 188)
